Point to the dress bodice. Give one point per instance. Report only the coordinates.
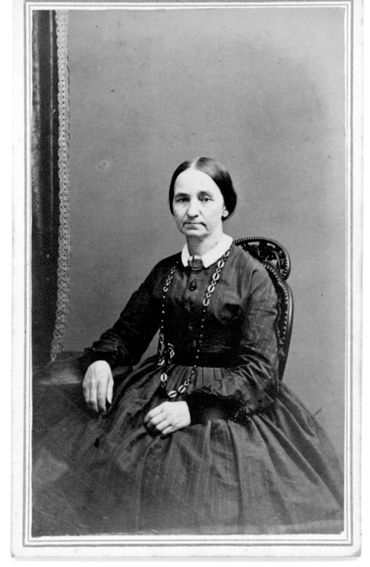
(241, 314)
(224, 316)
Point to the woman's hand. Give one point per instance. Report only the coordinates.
(97, 386)
(168, 417)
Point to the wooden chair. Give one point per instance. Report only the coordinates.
(276, 260)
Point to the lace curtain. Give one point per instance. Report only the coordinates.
(49, 166)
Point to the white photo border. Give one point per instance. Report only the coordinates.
(315, 545)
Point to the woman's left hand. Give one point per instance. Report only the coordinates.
(168, 417)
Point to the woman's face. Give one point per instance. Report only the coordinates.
(198, 205)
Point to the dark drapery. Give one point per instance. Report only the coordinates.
(45, 183)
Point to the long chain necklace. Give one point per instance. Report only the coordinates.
(166, 351)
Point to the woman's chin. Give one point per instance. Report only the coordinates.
(193, 230)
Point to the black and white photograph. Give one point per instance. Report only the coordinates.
(187, 275)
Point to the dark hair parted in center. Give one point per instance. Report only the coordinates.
(216, 171)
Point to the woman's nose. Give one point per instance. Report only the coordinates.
(193, 208)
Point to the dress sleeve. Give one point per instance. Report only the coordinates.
(251, 383)
(125, 342)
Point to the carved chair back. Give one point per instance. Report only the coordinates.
(275, 257)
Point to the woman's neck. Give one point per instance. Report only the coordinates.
(201, 247)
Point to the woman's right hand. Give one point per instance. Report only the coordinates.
(97, 386)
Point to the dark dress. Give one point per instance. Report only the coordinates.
(253, 460)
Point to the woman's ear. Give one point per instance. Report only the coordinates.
(225, 213)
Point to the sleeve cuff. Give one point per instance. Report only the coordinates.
(206, 406)
(203, 406)
(89, 356)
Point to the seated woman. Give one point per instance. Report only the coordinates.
(202, 438)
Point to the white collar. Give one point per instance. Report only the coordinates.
(213, 255)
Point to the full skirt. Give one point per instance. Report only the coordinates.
(275, 473)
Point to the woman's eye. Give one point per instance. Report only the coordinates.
(205, 199)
